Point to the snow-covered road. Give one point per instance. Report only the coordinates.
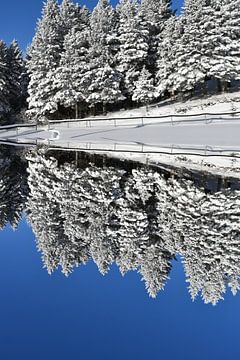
(223, 135)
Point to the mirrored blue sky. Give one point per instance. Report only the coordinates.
(88, 316)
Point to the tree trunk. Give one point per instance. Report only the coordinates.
(76, 111)
(104, 108)
(205, 87)
(225, 86)
(93, 110)
(219, 85)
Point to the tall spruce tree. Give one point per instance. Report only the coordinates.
(4, 81)
(69, 15)
(133, 36)
(13, 186)
(225, 39)
(191, 53)
(44, 57)
(144, 91)
(16, 69)
(71, 87)
(167, 62)
(102, 77)
(155, 13)
(70, 84)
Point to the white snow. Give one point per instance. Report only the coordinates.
(209, 143)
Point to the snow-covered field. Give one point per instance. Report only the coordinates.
(226, 102)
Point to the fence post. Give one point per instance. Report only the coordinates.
(142, 121)
(115, 123)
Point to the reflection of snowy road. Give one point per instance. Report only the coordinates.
(224, 135)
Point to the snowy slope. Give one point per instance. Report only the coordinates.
(226, 102)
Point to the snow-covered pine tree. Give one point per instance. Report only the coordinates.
(155, 13)
(103, 190)
(44, 57)
(44, 213)
(225, 40)
(155, 263)
(144, 91)
(167, 59)
(102, 77)
(191, 52)
(4, 81)
(73, 201)
(133, 232)
(71, 88)
(133, 37)
(70, 15)
(105, 86)
(16, 71)
(13, 186)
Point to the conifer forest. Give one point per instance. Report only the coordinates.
(83, 62)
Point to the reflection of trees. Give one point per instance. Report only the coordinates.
(13, 186)
(137, 218)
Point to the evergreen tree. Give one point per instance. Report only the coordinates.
(102, 77)
(71, 87)
(16, 70)
(70, 14)
(191, 53)
(105, 86)
(44, 213)
(144, 91)
(225, 39)
(4, 81)
(155, 13)
(44, 57)
(13, 186)
(133, 234)
(133, 36)
(167, 62)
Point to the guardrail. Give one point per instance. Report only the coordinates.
(145, 120)
(131, 120)
(171, 149)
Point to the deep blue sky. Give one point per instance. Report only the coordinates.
(18, 18)
(91, 317)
